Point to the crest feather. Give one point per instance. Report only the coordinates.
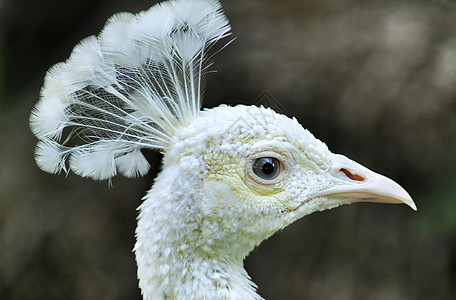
(126, 90)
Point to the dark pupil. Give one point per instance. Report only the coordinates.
(266, 167)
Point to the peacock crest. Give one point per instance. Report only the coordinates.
(128, 89)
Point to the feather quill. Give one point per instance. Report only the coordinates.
(127, 89)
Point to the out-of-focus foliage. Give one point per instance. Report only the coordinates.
(2, 79)
(439, 211)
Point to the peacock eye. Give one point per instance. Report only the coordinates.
(266, 168)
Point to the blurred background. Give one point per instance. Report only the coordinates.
(375, 80)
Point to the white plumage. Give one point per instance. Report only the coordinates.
(232, 176)
(128, 89)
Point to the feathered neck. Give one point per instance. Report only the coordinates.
(179, 254)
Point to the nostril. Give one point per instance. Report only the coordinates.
(351, 175)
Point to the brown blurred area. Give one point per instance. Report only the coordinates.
(375, 80)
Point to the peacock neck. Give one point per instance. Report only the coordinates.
(176, 258)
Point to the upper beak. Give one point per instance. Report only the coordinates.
(360, 184)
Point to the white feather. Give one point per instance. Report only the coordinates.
(154, 24)
(203, 17)
(128, 89)
(50, 156)
(48, 118)
(53, 82)
(132, 164)
(116, 40)
(95, 161)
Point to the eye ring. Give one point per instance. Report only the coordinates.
(267, 168)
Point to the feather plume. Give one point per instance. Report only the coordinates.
(126, 90)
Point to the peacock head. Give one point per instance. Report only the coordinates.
(256, 171)
(232, 176)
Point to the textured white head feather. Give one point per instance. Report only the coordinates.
(232, 176)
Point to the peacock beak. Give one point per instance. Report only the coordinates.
(356, 183)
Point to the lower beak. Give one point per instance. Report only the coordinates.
(356, 183)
